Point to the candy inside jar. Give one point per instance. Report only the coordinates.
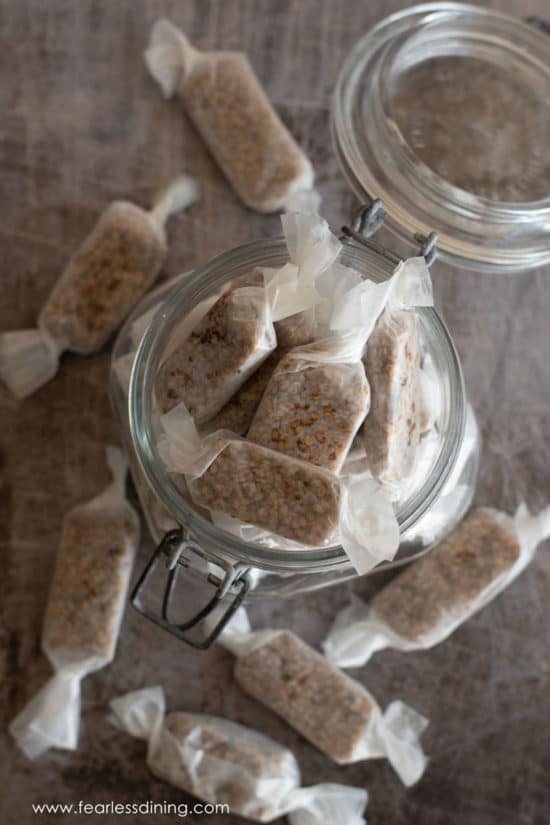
(248, 515)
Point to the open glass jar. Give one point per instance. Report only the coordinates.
(430, 505)
(424, 140)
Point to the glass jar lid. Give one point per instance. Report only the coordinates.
(443, 112)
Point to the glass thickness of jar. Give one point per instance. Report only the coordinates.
(378, 161)
(215, 542)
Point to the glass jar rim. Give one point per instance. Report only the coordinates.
(474, 232)
(200, 282)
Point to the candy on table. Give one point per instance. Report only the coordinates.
(225, 101)
(221, 761)
(84, 611)
(436, 594)
(116, 264)
(335, 713)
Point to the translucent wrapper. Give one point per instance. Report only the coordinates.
(224, 762)
(318, 396)
(311, 410)
(361, 304)
(231, 341)
(332, 711)
(392, 362)
(439, 592)
(84, 611)
(356, 459)
(105, 278)
(304, 235)
(429, 401)
(238, 413)
(223, 350)
(231, 111)
(288, 497)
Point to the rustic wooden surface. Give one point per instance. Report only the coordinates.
(83, 124)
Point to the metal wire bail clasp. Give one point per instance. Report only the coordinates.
(428, 246)
(370, 218)
(173, 548)
(367, 220)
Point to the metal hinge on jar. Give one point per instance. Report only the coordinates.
(370, 218)
(175, 548)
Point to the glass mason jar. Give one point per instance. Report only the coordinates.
(442, 111)
(235, 569)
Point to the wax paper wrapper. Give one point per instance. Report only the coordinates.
(220, 761)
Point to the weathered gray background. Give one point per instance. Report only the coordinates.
(82, 124)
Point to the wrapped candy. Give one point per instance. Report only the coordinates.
(84, 611)
(237, 333)
(392, 362)
(231, 111)
(318, 396)
(303, 234)
(223, 350)
(429, 401)
(220, 761)
(285, 496)
(436, 594)
(123, 365)
(332, 711)
(296, 330)
(312, 410)
(113, 268)
(238, 413)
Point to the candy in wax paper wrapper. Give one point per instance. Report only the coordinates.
(315, 401)
(334, 712)
(312, 410)
(318, 396)
(237, 334)
(115, 265)
(227, 105)
(293, 331)
(436, 594)
(430, 399)
(220, 761)
(392, 362)
(238, 413)
(285, 496)
(84, 611)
